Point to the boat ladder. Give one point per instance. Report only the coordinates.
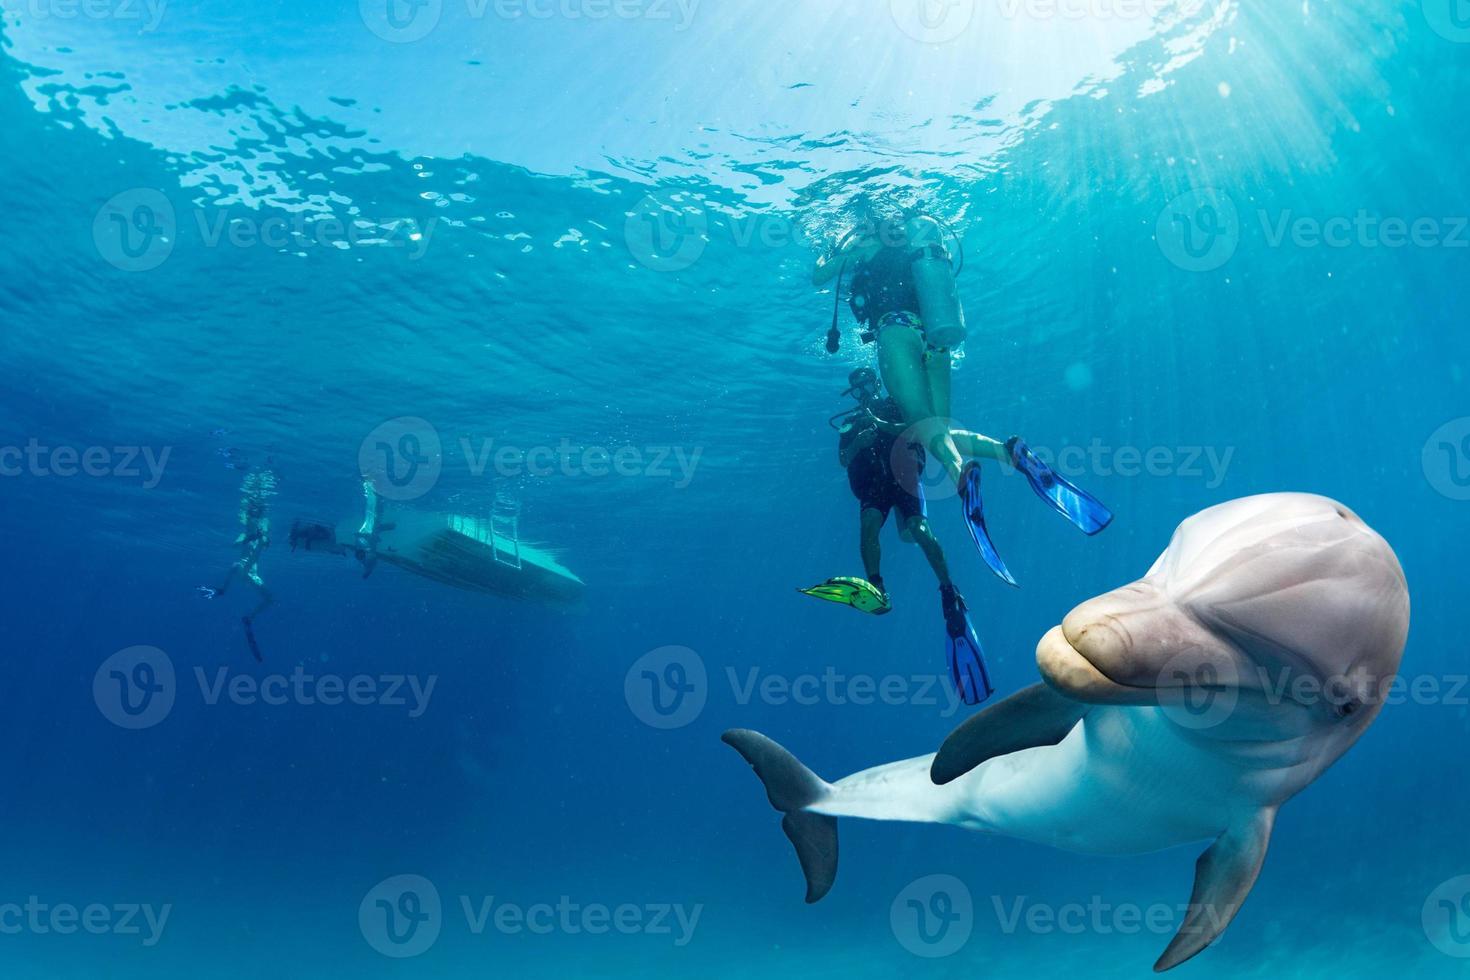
(505, 531)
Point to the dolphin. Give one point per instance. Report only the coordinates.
(1186, 707)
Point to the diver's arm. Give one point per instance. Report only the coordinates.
(892, 427)
(854, 443)
(829, 266)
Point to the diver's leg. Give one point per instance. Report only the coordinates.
(266, 601)
(976, 446)
(924, 537)
(872, 549)
(229, 580)
(938, 366)
(901, 360)
(252, 575)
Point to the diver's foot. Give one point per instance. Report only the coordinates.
(966, 658)
(858, 593)
(953, 604)
(876, 581)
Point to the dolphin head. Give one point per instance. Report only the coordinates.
(1288, 605)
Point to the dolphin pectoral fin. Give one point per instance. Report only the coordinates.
(1039, 715)
(1223, 878)
(792, 787)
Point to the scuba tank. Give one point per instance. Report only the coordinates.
(939, 296)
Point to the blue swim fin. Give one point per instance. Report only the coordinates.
(1077, 506)
(974, 506)
(966, 658)
(249, 625)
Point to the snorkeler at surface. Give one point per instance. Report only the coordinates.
(903, 293)
(884, 471)
(254, 538)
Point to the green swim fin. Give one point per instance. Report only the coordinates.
(860, 594)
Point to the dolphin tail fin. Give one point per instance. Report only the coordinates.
(791, 788)
(1223, 878)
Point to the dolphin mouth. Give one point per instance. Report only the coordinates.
(1069, 672)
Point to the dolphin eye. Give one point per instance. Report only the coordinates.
(1348, 708)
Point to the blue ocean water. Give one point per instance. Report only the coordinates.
(1212, 249)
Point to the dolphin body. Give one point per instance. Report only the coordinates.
(1185, 707)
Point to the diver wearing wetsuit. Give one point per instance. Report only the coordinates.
(885, 477)
(254, 538)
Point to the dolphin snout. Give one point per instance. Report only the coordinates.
(1074, 675)
(1117, 632)
(1128, 646)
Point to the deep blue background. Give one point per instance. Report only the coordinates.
(1319, 369)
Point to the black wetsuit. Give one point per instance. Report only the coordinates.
(881, 478)
(885, 284)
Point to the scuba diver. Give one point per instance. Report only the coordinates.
(883, 470)
(254, 538)
(903, 293)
